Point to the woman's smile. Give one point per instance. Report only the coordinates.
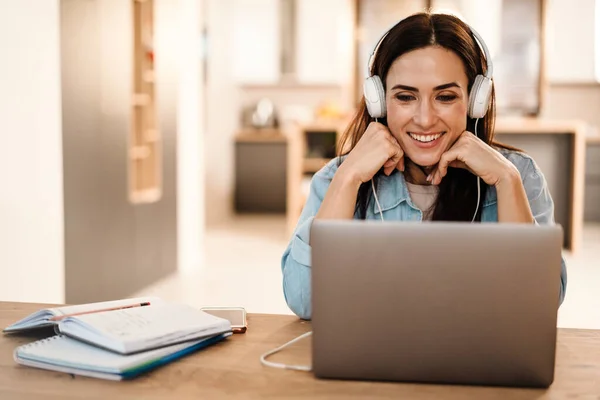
(426, 140)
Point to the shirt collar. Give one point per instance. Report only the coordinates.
(393, 190)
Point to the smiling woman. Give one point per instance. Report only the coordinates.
(433, 66)
(421, 146)
(432, 115)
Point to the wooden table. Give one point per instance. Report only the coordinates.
(232, 369)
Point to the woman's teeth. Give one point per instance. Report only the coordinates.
(425, 139)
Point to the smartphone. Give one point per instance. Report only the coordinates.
(235, 315)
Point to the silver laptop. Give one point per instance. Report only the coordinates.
(435, 302)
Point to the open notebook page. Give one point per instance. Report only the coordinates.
(79, 308)
(141, 328)
(44, 317)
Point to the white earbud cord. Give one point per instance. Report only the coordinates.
(263, 358)
(375, 191)
(377, 200)
(478, 181)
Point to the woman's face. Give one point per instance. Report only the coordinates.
(427, 98)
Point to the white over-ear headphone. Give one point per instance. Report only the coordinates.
(479, 96)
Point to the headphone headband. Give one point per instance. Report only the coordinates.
(488, 57)
(477, 36)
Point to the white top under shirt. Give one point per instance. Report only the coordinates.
(423, 196)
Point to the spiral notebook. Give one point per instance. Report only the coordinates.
(64, 354)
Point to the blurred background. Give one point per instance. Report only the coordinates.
(166, 147)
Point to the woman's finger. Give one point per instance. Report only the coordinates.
(392, 163)
(431, 175)
(396, 155)
(446, 158)
(400, 164)
(389, 163)
(453, 157)
(453, 164)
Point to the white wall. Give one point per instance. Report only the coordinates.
(222, 112)
(571, 41)
(597, 39)
(190, 140)
(31, 200)
(256, 40)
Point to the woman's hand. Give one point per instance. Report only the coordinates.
(376, 148)
(471, 153)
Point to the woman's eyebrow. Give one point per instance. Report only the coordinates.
(447, 86)
(414, 89)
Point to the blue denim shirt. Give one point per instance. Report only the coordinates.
(396, 204)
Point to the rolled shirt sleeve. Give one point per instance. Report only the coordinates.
(296, 260)
(542, 207)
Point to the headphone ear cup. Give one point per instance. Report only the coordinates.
(375, 97)
(479, 98)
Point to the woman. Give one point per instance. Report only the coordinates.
(429, 158)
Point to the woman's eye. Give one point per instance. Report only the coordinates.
(405, 97)
(446, 98)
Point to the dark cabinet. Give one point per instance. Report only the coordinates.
(260, 172)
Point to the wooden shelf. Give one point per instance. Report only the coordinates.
(139, 152)
(260, 135)
(323, 126)
(593, 139)
(151, 136)
(149, 76)
(145, 153)
(140, 99)
(145, 196)
(312, 165)
(530, 125)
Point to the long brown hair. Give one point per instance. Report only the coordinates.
(457, 196)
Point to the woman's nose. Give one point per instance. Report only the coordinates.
(425, 115)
